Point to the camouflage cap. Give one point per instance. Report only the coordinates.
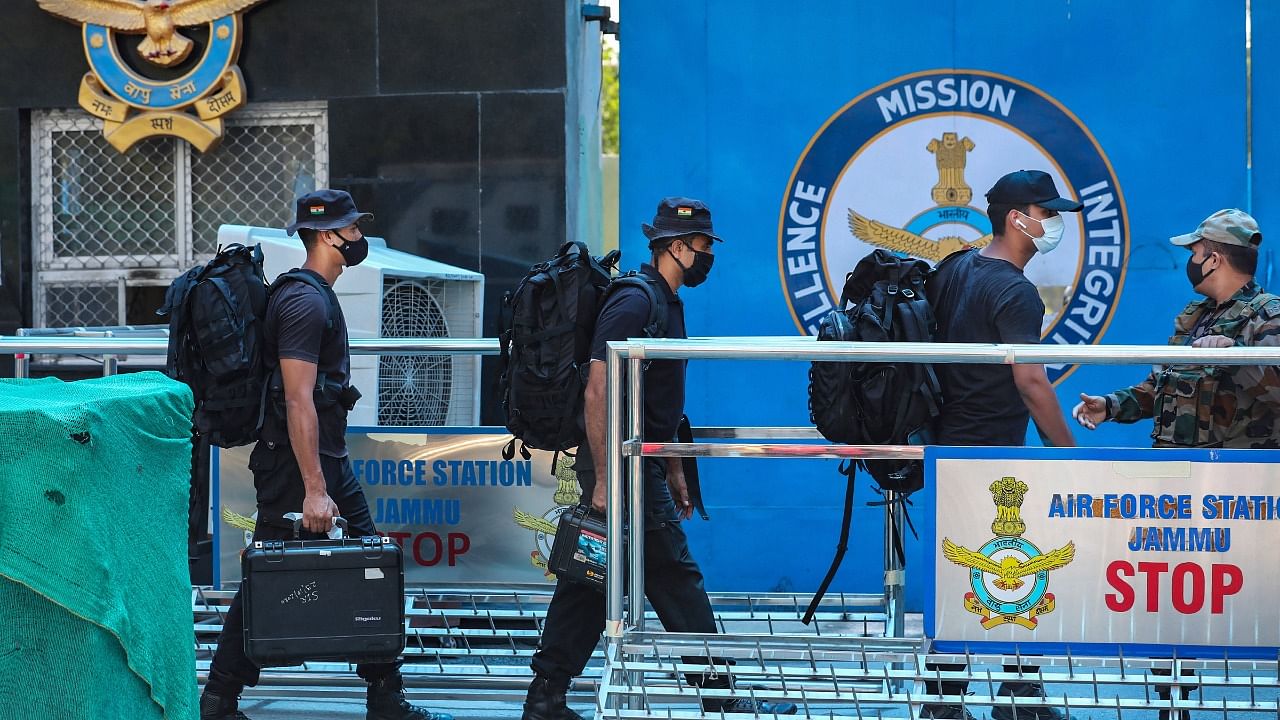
(1229, 227)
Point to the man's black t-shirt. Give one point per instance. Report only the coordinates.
(977, 299)
(297, 328)
(623, 317)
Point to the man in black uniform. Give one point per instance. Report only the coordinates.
(301, 462)
(681, 238)
(983, 297)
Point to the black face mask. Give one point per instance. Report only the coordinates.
(696, 274)
(353, 251)
(1195, 271)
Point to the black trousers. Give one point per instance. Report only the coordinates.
(278, 482)
(672, 582)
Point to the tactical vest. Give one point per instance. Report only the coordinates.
(1196, 406)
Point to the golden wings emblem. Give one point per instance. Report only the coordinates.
(158, 19)
(874, 232)
(1009, 569)
(533, 522)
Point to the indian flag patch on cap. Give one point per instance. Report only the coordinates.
(317, 209)
(684, 211)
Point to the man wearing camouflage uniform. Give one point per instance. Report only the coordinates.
(1209, 407)
(1215, 406)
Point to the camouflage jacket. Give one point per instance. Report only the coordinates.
(1224, 406)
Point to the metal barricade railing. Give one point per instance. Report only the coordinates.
(634, 688)
(454, 641)
(836, 671)
(864, 678)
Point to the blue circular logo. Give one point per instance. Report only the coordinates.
(1020, 550)
(904, 167)
(148, 94)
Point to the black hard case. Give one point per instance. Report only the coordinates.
(579, 550)
(323, 600)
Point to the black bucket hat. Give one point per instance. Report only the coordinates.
(679, 217)
(326, 210)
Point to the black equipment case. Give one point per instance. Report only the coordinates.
(579, 550)
(323, 600)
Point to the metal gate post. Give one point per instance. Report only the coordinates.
(894, 581)
(110, 363)
(636, 497)
(894, 570)
(635, 475)
(22, 361)
(614, 560)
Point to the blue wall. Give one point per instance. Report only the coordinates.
(720, 99)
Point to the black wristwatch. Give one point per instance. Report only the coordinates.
(1110, 406)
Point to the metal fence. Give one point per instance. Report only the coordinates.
(845, 675)
(858, 660)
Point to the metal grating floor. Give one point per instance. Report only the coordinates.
(472, 645)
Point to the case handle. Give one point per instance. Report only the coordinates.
(339, 525)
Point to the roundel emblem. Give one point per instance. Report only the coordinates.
(1016, 601)
(904, 167)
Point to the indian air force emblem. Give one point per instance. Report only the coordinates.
(904, 167)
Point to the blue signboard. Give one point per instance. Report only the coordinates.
(818, 131)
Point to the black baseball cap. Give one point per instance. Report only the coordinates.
(326, 210)
(679, 217)
(1030, 187)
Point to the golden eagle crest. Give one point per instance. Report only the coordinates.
(158, 19)
(190, 100)
(1009, 570)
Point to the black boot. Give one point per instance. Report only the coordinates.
(546, 701)
(744, 705)
(1023, 712)
(934, 711)
(757, 707)
(220, 707)
(386, 701)
(1164, 692)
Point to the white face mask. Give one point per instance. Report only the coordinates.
(1054, 227)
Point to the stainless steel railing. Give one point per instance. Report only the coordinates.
(625, 625)
(624, 423)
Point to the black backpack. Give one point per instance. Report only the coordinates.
(879, 403)
(216, 323)
(548, 322)
(864, 403)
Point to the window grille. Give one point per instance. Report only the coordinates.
(113, 229)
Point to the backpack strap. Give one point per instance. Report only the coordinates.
(177, 292)
(276, 378)
(299, 275)
(848, 469)
(895, 531)
(657, 325)
(896, 272)
(684, 434)
(174, 308)
(933, 273)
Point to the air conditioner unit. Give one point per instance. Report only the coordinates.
(396, 294)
